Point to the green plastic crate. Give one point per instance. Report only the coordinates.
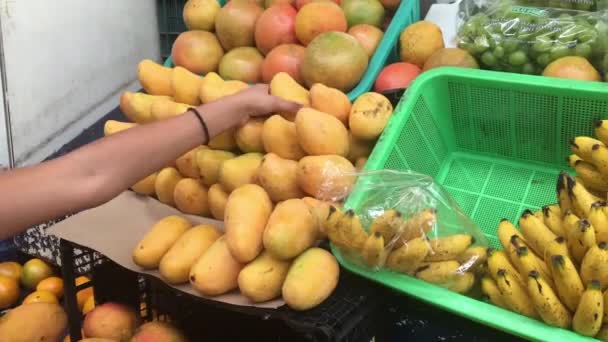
(407, 13)
(496, 142)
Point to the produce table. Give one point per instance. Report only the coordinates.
(411, 319)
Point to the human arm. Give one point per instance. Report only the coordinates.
(98, 172)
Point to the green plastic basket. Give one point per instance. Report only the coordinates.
(407, 13)
(496, 142)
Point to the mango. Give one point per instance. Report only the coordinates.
(176, 263)
(280, 137)
(262, 279)
(217, 199)
(329, 178)
(158, 331)
(411, 51)
(331, 101)
(209, 162)
(200, 14)
(137, 106)
(239, 171)
(113, 127)
(146, 186)
(359, 148)
(112, 321)
(285, 87)
(190, 197)
(213, 87)
(158, 240)
(224, 141)
(290, 229)
(187, 164)
(34, 322)
(155, 78)
(320, 133)
(369, 115)
(166, 180)
(248, 136)
(216, 271)
(247, 211)
(165, 109)
(186, 86)
(278, 177)
(311, 279)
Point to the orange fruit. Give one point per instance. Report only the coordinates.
(89, 305)
(84, 294)
(11, 269)
(41, 297)
(34, 271)
(9, 292)
(53, 285)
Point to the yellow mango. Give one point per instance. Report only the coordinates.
(279, 136)
(331, 101)
(320, 133)
(248, 136)
(224, 141)
(216, 271)
(328, 178)
(190, 197)
(285, 87)
(209, 162)
(34, 322)
(311, 279)
(186, 86)
(187, 164)
(161, 110)
(239, 171)
(278, 177)
(213, 87)
(146, 186)
(359, 148)
(158, 240)
(176, 263)
(245, 217)
(155, 78)
(290, 229)
(113, 126)
(217, 199)
(166, 180)
(369, 115)
(262, 279)
(137, 106)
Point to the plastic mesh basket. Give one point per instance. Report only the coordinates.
(496, 142)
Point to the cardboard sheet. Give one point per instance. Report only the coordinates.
(114, 229)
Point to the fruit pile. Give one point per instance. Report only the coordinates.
(328, 42)
(266, 252)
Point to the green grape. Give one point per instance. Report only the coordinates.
(480, 44)
(542, 45)
(544, 59)
(583, 50)
(510, 45)
(488, 58)
(528, 68)
(559, 51)
(499, 52)
(518, 58)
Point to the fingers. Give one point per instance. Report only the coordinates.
(285, 106)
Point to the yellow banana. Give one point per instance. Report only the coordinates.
(516, 244)
(528, 263)
(595, 265)
(602, 335)
(552, 217)
(473, 257)
(515, 294)
(373, 252)
(407, 258)
(490, 289)
(330, 226)
(351, 232)
(596, 193)
(562, 192)
(449, 247)
(388, 224)
(539, 215)
(461, 282)
(546, 303)
(497, 260)
(599, 158)
(581, 198)
(580, 240)
(418, 226)
(601, 130)
(569, 223)
(591, 176)
(589, 314)
(439, 273)
(568, 283)
(572, 159)
(599, 221)
(536, 233)
(605, 296)
(582, 146)
(556, 247)
(505, 231)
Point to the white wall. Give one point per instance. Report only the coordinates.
(66, 63)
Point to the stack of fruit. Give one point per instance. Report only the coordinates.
(314, 42)
(266, 252)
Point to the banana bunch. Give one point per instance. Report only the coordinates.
(402, 245)
(553, 268)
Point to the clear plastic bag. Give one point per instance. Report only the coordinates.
(504, 36)
(408, 223)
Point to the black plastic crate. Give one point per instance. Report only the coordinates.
(356, 311)
(170, 24)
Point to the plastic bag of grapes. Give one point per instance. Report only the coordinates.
(523, 39)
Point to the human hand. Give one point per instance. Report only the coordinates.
(258, 102)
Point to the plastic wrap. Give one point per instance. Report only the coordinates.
(407, 223)
(503, 36)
